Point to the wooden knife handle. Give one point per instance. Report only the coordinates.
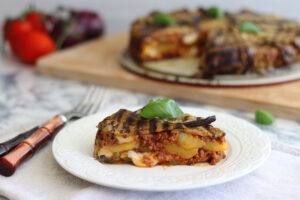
(10, 162)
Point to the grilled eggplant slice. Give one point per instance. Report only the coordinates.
(126, 137)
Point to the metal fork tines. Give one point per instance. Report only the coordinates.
(91, 103)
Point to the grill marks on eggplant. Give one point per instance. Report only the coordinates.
(128, 122)
(153, 126)
(165, 125)
(119, 115)
(239, 53)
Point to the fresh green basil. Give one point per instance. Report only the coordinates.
(249, 27)
(162, 108)
(215, 12)
(164, 19)
(264, 117)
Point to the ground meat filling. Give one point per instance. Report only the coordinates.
(155, 143)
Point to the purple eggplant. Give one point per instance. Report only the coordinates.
(75, 27)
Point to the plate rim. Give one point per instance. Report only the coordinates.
(178, 188)
(129, 64)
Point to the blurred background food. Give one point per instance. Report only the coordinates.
(69, 26)
(81, 21)
(33, 33)
(113, 11)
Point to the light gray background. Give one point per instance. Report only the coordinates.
(119, 13)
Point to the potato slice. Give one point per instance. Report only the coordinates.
(189, 141)
(127, 139)
(120, 147)
(184, 153)
(215, 146)
(142, 159)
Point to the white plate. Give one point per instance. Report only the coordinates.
(248, 148)
(283, 75)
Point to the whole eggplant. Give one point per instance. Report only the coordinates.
(74, 26)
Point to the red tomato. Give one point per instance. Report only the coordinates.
(36, 20)
(34, 44)
(15, 29)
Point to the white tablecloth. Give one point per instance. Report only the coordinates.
(43, 179)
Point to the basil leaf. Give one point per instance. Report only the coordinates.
(264, 117)
(215, 12)
(164, 19)
(249, 27)
(162, 108)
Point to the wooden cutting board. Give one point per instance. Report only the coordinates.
(98, 62)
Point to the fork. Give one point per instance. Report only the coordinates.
(91, 102)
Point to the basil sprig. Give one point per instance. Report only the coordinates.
(264, 117)
(162, 108)
(163, 19)
(249, 27)
(215, 12)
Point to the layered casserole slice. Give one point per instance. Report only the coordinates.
(205, 45)
(127, 137)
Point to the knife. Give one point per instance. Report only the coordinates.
(8, 145)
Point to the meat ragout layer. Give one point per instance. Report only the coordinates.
(155, 143)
